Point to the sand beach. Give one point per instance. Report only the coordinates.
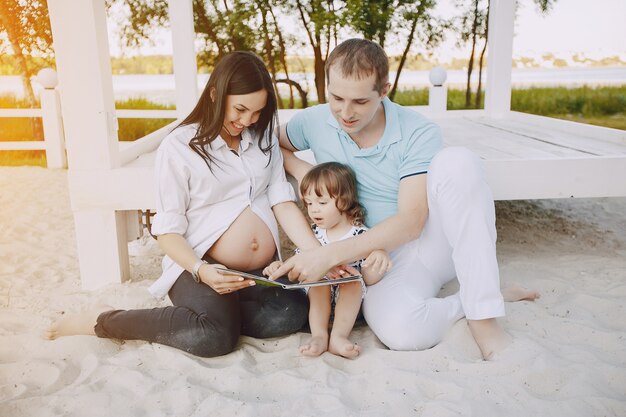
(568, 357)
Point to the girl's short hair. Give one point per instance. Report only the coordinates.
(339, 182)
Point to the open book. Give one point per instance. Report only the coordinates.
(283, 282)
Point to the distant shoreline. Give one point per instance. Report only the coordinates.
(160, 88)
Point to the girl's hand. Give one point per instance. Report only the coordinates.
(341, 271)
(378, 261)
(269, 270)
(222, 283)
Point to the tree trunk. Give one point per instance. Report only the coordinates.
(405, 53)
(320, 75)
(297, 86)
(470, 65)
(25, 71)
(282, 57)
(270, 56)
(480, 61)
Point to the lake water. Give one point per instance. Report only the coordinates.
(160, 88)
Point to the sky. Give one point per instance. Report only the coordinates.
(595, 28)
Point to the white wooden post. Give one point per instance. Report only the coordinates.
(184, 55)
(500, 57)
(86, 89)
(438, 93)
(53, 135)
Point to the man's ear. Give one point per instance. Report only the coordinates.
(385, 91)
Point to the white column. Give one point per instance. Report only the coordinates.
(500, 57)
(86, 90)
(53, 135)
(438, 92)
(184, 55)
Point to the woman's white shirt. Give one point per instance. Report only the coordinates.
(200, 204)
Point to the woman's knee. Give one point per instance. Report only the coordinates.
(278, 314)
(210, 345)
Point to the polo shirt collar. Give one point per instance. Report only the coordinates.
(392, 132)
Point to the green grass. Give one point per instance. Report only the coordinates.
(133, 129)
(602, 106)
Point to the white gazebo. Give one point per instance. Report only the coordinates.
(525, 156)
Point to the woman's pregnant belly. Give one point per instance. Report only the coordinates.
(246, 245)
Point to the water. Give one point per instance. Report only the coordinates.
(160, 88)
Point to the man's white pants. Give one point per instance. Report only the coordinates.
(458, 240)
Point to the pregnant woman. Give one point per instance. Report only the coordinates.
(220, 189)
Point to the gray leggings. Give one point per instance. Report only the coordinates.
(204, 323)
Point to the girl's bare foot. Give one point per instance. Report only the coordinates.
(512, 294)
(489, 336)
(81, 323)
(315, 346)
(342, 346)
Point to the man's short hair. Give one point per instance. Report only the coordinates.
(360, 58)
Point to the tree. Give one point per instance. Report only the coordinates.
(374, 20)
(321, 20)
(415, 16)
(26, 27)
(474, 25)
(222, 26)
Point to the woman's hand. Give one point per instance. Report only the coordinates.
(222, 283)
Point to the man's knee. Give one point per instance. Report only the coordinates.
(456, 162)
(402, 331)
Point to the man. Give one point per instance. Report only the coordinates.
(429, 207)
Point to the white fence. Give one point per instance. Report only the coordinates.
(54, 137)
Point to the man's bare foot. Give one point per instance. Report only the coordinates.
(343, 347)
(81, 323)
(489, 336)
(315, 346)
(512, 294)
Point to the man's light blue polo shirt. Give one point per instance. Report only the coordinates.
(406, 148)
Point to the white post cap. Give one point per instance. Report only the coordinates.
(437, 76)
(47, 77)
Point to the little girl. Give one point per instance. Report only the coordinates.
(329, 193)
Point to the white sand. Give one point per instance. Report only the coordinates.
(568, 359)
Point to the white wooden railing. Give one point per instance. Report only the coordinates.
(54, 138)
(50, 113)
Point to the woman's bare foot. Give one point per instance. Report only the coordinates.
(489, 336)
(512, 294)
(81, 323)
(343, 347)
(315, 346)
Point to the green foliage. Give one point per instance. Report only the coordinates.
(133, 129)
(585, 101)
(602, 106)
(154, 64)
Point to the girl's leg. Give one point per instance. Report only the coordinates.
(346, 310)
(319, 314)
(200, 322)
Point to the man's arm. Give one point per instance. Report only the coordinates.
(294, 166)
(404, 226)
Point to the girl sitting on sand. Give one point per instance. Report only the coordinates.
(220, 182)
(329, 193)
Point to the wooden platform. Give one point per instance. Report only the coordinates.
(525, 156)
